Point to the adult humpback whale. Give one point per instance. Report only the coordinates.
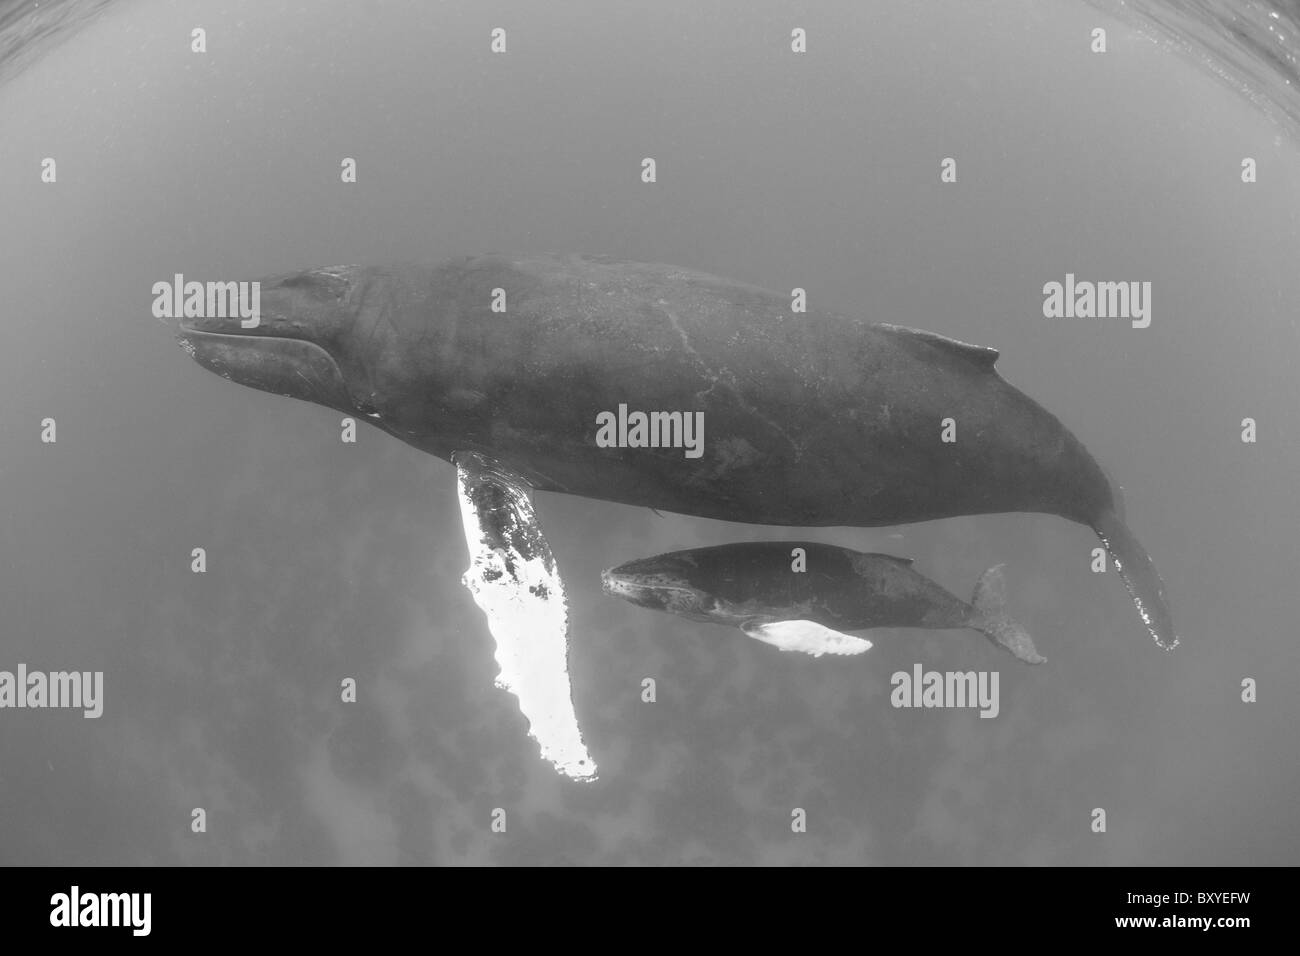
(812, 420)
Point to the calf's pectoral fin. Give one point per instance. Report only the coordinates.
(806, 636)
(515, 581)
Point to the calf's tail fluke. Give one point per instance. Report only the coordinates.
(1140, 577)
(992, 619)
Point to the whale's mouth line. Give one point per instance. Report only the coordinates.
(263, 335)
(250, 343)
(610, 581)
(284, 365)
(651, 587)
(185, 331)
(260, 332)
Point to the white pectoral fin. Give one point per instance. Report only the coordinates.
(806, 636)
(514, 580)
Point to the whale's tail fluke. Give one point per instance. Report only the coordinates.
(992, 619)
(1139, 575)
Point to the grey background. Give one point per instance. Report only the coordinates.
(821, 171)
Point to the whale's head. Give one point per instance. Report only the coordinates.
(666, 582)
(312, 338)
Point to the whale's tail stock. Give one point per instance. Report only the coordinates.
(1139, 576)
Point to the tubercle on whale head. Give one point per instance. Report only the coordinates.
(659, 584)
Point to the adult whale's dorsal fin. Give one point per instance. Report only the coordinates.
(907, 562)
(978, 355)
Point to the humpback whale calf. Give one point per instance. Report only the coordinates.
(754, 587)
(815, 419)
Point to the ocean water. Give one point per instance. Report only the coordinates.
(820, 170)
